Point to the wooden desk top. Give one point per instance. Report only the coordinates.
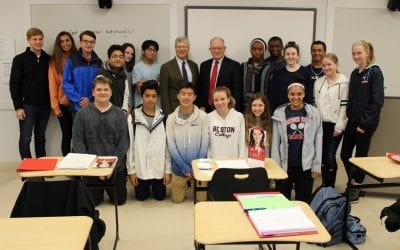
(275, 172)
(218, 222)
(379, 166)
(45, 233)
(91, 171)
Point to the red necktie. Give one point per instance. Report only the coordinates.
(213, 82)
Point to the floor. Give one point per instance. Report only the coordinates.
(163, 225)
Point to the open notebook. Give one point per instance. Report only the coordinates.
(281, 222)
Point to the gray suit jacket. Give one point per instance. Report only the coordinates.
(170, 81)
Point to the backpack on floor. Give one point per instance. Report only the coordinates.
(330, 208)
(355, 232)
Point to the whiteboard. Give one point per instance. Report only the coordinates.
(378, 26)
(122, 23)
(239, 25)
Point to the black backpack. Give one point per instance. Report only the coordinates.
(330, 208)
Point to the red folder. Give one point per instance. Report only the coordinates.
(29, 164)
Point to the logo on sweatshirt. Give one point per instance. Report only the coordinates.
(223, 131)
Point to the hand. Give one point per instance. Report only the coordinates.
(337, 133)
(138, 84)
(314, 175)
(133, 180)
(20, 114)
(167, 179)
(103, 178)
(84, 102)
(188, 175)
(360, 130)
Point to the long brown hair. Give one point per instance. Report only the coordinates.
(58, 52)
(250, 119)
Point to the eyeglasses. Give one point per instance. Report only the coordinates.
(118, 57)
(217, 48)
(88, 42)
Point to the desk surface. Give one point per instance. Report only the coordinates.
(69, 233)
(379, 166)
(275, 172)
(221, 222)
(91, 171)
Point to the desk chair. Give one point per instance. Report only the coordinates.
(59, 198)
(227, 181)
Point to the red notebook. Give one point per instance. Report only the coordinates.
(29, 164)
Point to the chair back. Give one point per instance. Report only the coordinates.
(227, 181)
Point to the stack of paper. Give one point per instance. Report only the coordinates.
(76, 161)
(281, 222)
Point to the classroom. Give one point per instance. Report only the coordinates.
(337, 22)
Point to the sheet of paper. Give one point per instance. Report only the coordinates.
(232, 164)
(76, 161)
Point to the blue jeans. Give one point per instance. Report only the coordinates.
(36, 118)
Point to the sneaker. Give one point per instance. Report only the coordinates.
(354, 195)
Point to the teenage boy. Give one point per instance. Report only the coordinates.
(100, 128)
(314, 70)
(187, 137)
(80, 70)
(29, 89)
(275, 48)
(148, 161)
(113, 69)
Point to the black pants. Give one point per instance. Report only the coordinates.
(142, 191)
(361, 141)
(66, 129)
(330, 144)
(303, 184)
(98, 193)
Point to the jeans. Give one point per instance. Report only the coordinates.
(303, 184)
(142, 191)
(66, 129)
(361, 141)
(36, 118)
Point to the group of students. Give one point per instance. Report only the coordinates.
(158, 118)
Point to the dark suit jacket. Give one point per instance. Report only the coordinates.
(230, 75)
(170, 81)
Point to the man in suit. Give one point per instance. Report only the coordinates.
(219, 71)
(176, 73)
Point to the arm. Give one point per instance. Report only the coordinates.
(54, 85)
(68, 83)
(242, 139)
(173, 150)
(316, 165)
(16, 83)
(342, 118)
(376, 99)
(130, 163)
(276, 141)
(78, 134)
(122, 140)
(167, 173)
(205, 139)
(125, 103)
(164, 84)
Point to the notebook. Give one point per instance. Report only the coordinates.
(76, 161)
(40, 164)
(262, 200)
(281, 222)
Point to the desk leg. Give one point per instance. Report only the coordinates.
(116, 211)
(348, 208)
(199, 246)
(195, 192)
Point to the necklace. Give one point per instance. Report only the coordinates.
(316, 76)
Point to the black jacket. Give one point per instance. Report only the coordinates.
(366, 96)
(29, 80)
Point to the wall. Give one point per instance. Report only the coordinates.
(15, 19)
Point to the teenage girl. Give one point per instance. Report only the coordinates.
(366, 97)
(257, 116)
(63, 46)
(297, 143)
(331, 93)
(129, 54)
(226, 127)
